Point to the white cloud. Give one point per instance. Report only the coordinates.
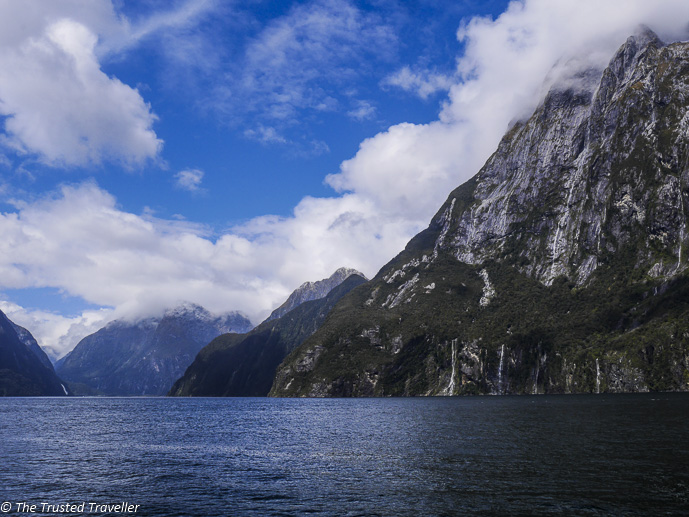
(189, 179)
(424, 83)
(58, 103)
(407, 171)
(81, 242)
(176, 32)
(363, 110)
(55, 333)
(266, 134)
(302, 61)
(180, 16)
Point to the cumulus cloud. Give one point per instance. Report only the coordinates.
(80, 241)
(56, 333)
(58, 103)
(189, 179)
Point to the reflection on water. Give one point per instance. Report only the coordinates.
(582, 455)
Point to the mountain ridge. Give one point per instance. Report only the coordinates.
(22, 371)
(146, 356)
(243, 365)
(30, 342)
(313, 291)
(560, 267)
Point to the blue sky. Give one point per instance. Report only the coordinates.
(220, 152)
(264, 129)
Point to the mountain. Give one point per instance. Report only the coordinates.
(22, 372)
(235, 365)
(146, 357)
(31, 343)
(313, 291)
(560, 267)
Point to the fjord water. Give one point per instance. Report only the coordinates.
(547, 455)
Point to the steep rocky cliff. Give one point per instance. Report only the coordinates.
(146, 357)
(560, 267)
(22, 372)
(243, 365)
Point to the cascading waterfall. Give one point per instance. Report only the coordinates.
(502, 357)
(451, 386)
(597, 376)
(681, 236)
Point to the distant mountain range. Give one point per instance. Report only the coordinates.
(145, 357)
(235, 365)
(25, 370)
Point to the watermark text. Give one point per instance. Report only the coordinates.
(83, 507)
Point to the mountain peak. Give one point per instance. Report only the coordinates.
(186, 309)
(22, 372)
(626, 60)
(562, 266)
(145, 357)
(30, 342)
(314, 291)
(644, 36)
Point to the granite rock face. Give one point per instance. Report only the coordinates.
(560, 267)
(313, 291)
(594, 167)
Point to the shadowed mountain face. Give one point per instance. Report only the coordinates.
(146, 357)
(245, 364)
(560, 267)
(22, 370)
(30, 342)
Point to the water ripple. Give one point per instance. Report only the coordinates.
(545, 455)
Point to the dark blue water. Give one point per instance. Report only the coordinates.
(542, 455)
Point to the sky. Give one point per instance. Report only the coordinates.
(224, 152)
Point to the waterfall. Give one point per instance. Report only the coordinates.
(597, 376)
(681, 233)
(535, 383)
(502, 356)
(64, 389)
(451, 386)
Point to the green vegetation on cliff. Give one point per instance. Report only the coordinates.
(560, 267)
(243, 365)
